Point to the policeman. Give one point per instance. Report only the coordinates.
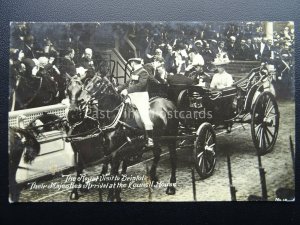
(137, 89)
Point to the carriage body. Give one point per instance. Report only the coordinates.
(204, 112)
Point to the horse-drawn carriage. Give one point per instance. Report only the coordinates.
(250, 100)
(196, 116)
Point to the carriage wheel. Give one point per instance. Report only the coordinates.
(204, 153)
(265, 123)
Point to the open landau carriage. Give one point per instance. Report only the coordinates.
(250, 100)
(204, 113)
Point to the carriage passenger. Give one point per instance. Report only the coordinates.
(196, 73)
(136, 89)
(222, 79)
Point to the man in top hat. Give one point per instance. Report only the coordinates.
(136, 89)
(222, 79)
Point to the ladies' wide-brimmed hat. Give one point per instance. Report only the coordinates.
(222, 59)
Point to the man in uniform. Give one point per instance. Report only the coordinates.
(136, 89)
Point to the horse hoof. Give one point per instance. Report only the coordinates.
(171, 191)
(74, 196)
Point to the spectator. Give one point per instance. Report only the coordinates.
(231, 48)
(220, 48)
(170, 60)
(268, 51)
(67, 69)
(28, 49)
(208, 54)
(243, 52)
(87, 62)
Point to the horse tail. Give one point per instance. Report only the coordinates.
(31, 145)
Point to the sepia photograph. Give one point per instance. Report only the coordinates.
(151, 111)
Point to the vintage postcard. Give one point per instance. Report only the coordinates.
(151, 111)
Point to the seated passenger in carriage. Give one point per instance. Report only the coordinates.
(156, 70)
(222, 107)
(222, 79)
(197, 74)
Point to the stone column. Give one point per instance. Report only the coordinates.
(268, 29)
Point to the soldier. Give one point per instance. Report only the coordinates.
(137, 89)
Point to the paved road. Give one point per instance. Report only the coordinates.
(278, 165)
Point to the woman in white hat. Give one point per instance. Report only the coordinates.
(222, 79)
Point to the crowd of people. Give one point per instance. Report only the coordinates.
(34, 58)
(245, 42)
(167, 49)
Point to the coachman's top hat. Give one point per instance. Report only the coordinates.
(138, 60)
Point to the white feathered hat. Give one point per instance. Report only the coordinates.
(198, 60)
(221, 59)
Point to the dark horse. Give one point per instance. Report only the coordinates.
(20, 141)
(30, 92)
(122, 129)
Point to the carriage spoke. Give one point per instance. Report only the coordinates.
(267, 114)
(208, 139)
(198, 156)
(260, 139)
(258, 126)
(205, 166)
(272, 135)
(257, 133)
(263, 139)
(206, 134)
(202, 165)
(267, 106)
(267, 137)
(201, 158)
(212, 145)
(271, 117)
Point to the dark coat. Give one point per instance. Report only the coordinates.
(243, 53)
(138, 81)
(231, 51)
(66, 66)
